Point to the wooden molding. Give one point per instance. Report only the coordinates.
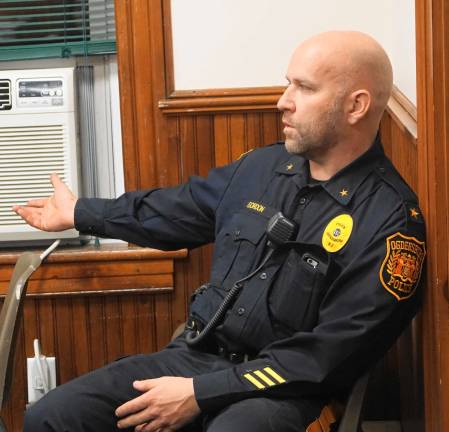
(403, 112)
(432, 58)
(405, 102)
(168, 48)
(219, 100)
(105, 252)
(112, 269)
(207, 101)
(141, 65)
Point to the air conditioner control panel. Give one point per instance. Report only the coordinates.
(40, 93)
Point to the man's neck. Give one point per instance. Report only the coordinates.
(336, 158)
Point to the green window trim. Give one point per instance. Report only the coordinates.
(34, 29)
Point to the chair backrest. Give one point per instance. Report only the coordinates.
(9, 317)
(352, 418)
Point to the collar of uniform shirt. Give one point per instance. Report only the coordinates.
(342, 185)
(345, 183)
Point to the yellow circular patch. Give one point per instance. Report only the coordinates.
(337, 233)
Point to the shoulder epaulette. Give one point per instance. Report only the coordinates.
(267, 154)
(410, 201)
(390, 175)
(245, 153)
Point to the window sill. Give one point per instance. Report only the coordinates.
(90, 270)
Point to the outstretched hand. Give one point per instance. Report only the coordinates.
(55, 213)
(166, 404)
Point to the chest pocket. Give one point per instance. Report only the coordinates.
(237, 247)
(299, 288)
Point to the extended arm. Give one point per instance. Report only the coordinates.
(170, 218)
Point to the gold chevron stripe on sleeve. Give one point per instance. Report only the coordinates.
(275, 375)
(254, 381)
(264, 378)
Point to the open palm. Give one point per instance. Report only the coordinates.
(55, 213)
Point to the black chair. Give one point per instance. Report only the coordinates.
(26, 265)
(351, 420)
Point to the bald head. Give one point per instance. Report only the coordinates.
(355, 61)
(339, 86)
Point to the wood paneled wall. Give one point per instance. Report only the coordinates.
(88, 307)
(405, 360)
(432, 22)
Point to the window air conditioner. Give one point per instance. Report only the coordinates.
(37, 137)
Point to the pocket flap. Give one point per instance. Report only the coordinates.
(249, 227)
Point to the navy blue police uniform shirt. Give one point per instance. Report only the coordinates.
(324, 307)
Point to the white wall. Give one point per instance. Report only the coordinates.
(403, 47)
(235, 43)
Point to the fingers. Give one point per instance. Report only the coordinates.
(140, 418)
(31, 213)
(32, 216)
(56, 180)
(59, 186)
(154, 426)
(37, 202)
(161, 406)
(134, 405)
(145, 385)
(145, 427)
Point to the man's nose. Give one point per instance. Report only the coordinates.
(285, 102)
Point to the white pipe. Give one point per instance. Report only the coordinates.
(49, 250)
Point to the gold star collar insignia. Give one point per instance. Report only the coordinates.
(414, 213)
(344, 192)
(289, 166)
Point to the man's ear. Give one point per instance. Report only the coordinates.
(359, 105)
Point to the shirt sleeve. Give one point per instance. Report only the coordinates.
(167, 219)
(363, 312)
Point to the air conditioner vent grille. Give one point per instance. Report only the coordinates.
(28, 155)
(5, 95)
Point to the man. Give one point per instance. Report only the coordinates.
(325, 305)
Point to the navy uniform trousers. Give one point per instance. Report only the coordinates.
(88, 403)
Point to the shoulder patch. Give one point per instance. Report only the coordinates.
(401, 269)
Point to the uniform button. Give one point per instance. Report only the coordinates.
(302, 201)
(263, 276)
(241, 311)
